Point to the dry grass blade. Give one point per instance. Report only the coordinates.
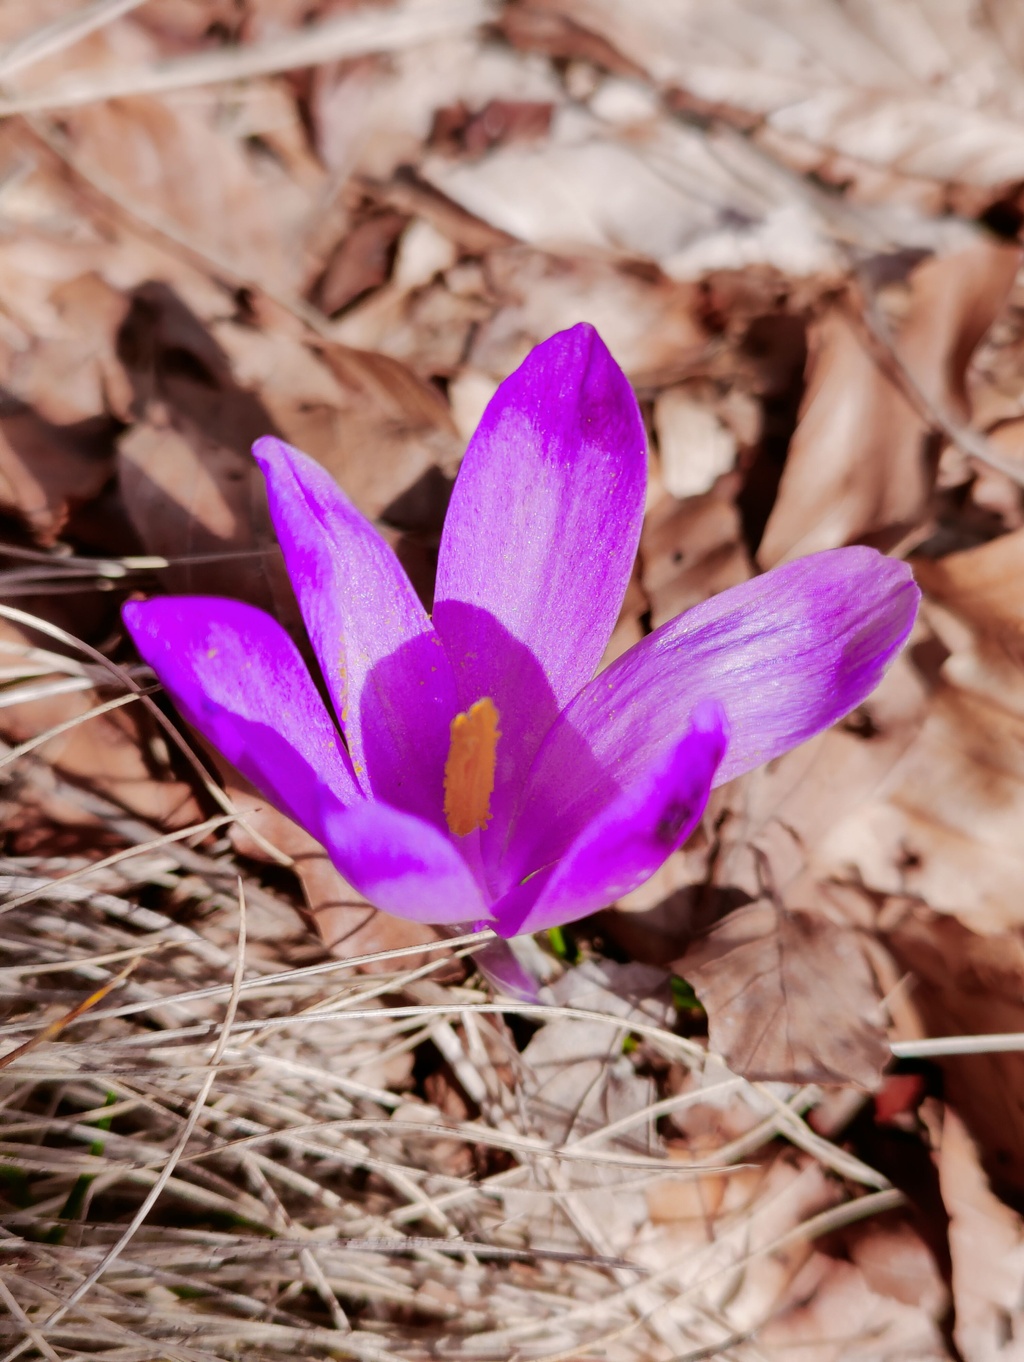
(32, 1334)
(53, 1029)
(62, 33)
(937, 1046)
(294, 1126)
(167, 1171)
(332, 40)
(30, 744)
(196, 830)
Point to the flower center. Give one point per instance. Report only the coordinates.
(469, 770)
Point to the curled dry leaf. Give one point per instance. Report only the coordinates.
(947, 827)
(858, 464)
(986, 1244)
(980, 588)
(789, 996)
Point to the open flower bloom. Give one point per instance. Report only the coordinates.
(474, 769)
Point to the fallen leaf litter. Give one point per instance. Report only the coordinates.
(205, 238)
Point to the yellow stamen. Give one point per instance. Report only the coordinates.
(469, 770)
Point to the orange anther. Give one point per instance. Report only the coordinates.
(469, 770)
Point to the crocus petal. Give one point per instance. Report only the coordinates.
(540, 539)
(786, 655)
(506, 972)
(403, 864)
(385, 669)
(239, 679)
(627, 842)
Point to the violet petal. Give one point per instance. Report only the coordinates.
(786, 654)
(629, 839)
(239, 679)
(506, 972)
(539, 542)
(383, 664)
(403, 865)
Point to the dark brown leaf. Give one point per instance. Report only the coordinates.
(361, 262)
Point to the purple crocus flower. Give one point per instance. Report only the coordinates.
(474, 769)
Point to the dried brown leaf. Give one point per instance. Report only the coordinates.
(407, 193)
(896, 1262)
(789, 996)
(686, 197)
(948, 826)
(56, 431)
(539, 29)
(361, 261)
(187, 478)
(980, 587)
(833, 1311)
(376, 424)
(71, 373)
(458, 129)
